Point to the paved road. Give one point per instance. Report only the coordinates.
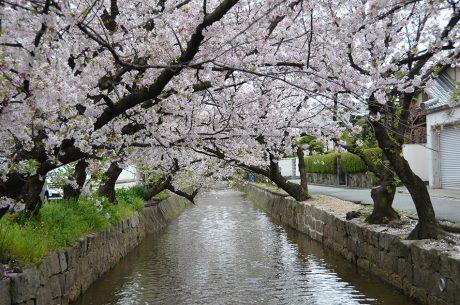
(445, 208)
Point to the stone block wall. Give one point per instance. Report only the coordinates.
(326, 179)
(62, 276)
(410, 266)
(361, 180)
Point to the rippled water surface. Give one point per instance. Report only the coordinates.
(224, 251)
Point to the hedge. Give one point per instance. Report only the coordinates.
(351, 163)
(324, 164)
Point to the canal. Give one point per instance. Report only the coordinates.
(225, 251)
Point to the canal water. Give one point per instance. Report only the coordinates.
(225, 251)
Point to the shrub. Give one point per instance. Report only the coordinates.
(324, 164)
(352, 163)
(134, 196)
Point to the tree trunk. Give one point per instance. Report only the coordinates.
(302, 170)
(189, 196)
(79, 176)
(165, 184)
(428, 227)
(107, 188)
(383, 196)
(25, 190)
(293, 189)
(158, 187)
(273, 173)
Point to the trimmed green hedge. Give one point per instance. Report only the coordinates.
(324, 164)
(351, 163)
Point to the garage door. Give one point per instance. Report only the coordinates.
(450, 157)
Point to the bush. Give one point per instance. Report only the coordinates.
(135, 196)
(60, 223)
(323, 164)
(352, 163)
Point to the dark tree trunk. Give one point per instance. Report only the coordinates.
(293, 189)
(158, 187)
(27, 189)
(189, 196)
(302, 170)
(165, 184)
(428, 227)
(383, 196)
(107, 188)
(273, 173)
(24, 189)
(79, 176)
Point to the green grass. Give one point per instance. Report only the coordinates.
(60, 223)
(271, 186)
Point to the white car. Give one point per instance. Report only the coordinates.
(50, 193)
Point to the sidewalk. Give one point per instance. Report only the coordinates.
(446, 202)
(440, 193)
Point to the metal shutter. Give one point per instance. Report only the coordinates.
(450, 157)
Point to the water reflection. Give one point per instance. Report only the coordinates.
(224, 251)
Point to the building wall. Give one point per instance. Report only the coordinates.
(434, 124)
(289, 167)
(128, 177)
(416, 155)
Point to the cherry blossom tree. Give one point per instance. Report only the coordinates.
(81, 79)
(379, 55)
(254, 124)
(77, 76)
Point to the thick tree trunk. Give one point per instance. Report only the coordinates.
(79, 176)
(293, 189)
(107, 188)
(383, 196)
(428, 227)
(25, 190)
(302, 170)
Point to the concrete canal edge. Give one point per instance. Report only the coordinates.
(406, 265)
(62, 276)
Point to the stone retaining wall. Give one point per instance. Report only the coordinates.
(64, 275)
(409, 266)
(359, 180)
(322, 179)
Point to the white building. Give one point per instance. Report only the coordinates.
(128, 178)
(443, 131)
